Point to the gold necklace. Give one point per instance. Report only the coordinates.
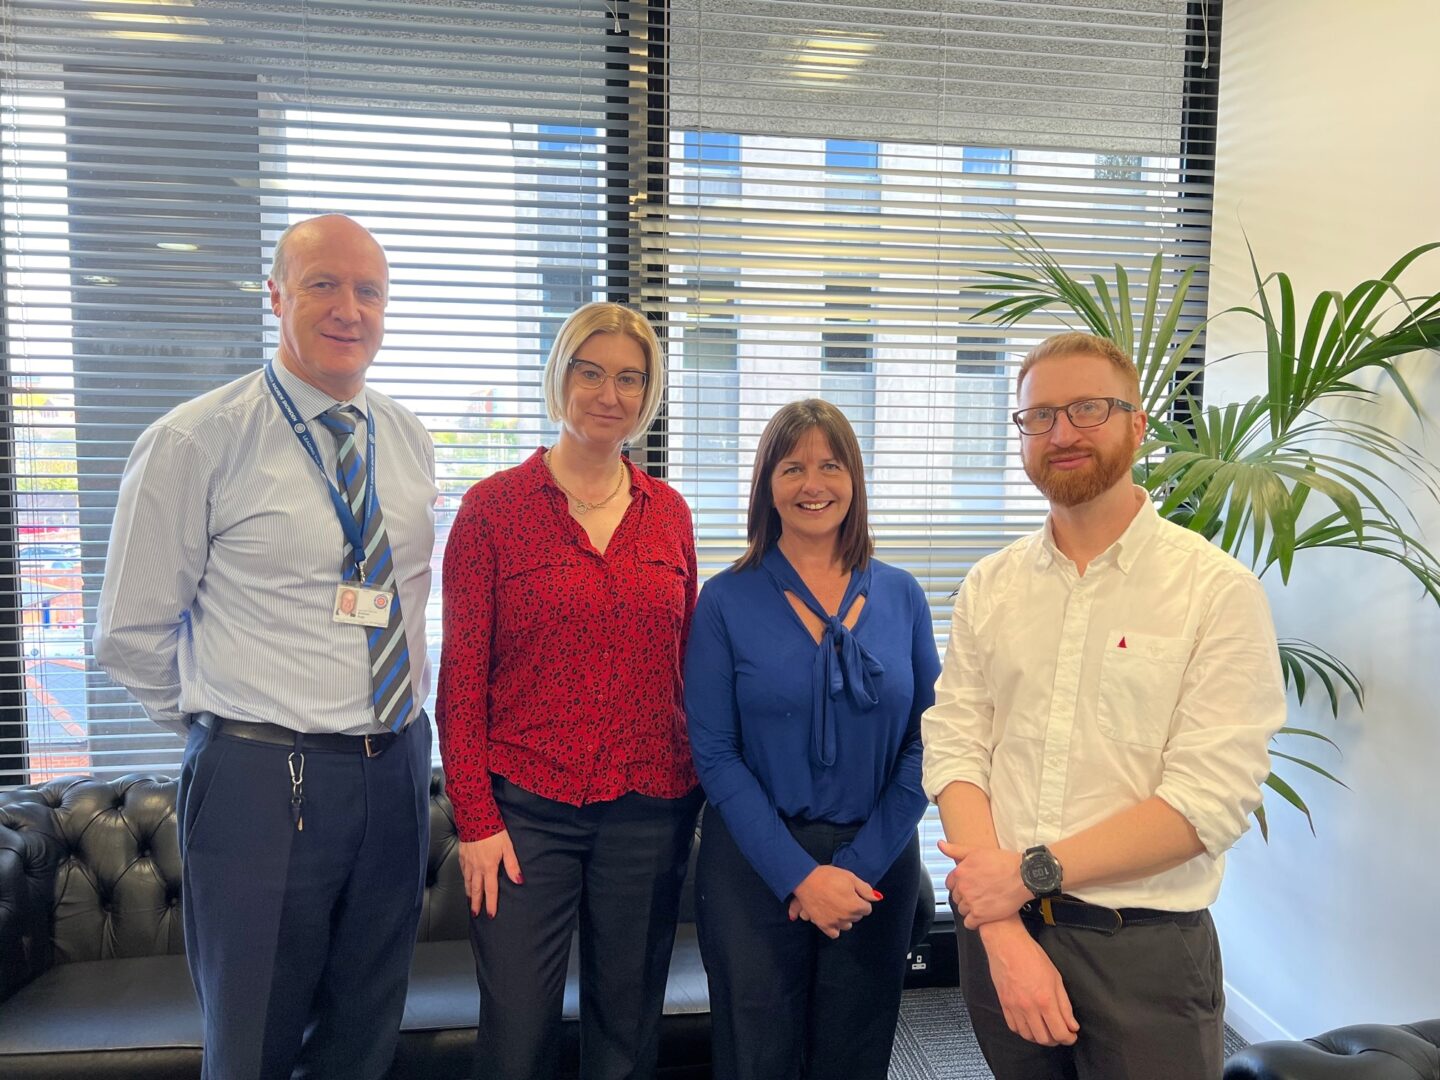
(581, 506)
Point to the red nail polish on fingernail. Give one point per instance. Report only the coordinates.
(519, 879)
(877, 894)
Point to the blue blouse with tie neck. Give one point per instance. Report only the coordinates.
(781, 727)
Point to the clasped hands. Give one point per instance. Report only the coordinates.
(985, 884)
(833, 900)
(987, 891)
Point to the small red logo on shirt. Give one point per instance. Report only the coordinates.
(1122, 644)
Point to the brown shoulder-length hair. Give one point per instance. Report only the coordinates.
(854, 545)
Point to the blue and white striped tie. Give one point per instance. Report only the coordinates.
(390, 691)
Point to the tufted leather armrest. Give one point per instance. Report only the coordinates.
(28, 854)
(24, 913)
(1360, 1052)
(100, 864)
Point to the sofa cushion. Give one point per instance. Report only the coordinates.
(115, 1018)
(137, 1018)
(443, 993)
(437, 1035)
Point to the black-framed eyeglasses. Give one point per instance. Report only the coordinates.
(1086, 413)
(629, 382)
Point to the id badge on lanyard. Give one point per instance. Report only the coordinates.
(360, 605)
(357, 600)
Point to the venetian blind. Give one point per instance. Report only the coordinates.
(154, 150)
(840, 174)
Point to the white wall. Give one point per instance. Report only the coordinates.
(1329, 157)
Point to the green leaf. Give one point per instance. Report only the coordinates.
(1311, 766)
(1298, 656)
(1311, 735)
(1124, 332)
(1147, 322)
(1286, 792)
(1112, 321)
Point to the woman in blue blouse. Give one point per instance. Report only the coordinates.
(808, 667)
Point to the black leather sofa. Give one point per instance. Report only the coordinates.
(92, 968)
(93, 982)
(1360, 1052)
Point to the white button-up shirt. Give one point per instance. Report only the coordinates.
(1068, 698)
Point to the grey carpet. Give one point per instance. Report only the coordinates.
(934, 1040)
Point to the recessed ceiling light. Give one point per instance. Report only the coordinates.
(833, 56)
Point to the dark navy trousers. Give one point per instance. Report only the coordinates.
(300, 941)
(614, 870)
(786, 1002)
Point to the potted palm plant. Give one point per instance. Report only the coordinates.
(1276, 476)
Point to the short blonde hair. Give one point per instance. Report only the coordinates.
(606, 318)
(1076, 343)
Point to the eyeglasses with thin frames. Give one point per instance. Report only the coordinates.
(1085, 413)
(592, 376)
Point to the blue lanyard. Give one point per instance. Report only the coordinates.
(354, 530)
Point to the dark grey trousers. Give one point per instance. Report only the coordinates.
(1150, 1002)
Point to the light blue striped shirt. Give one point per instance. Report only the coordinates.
(225, 553)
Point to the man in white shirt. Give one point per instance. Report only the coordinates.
(1097, 742)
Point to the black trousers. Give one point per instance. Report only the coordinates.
(616, 868)
(786, 1001)
(299, 942)
(1150, 1002)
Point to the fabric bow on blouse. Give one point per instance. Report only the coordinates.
(842, 664)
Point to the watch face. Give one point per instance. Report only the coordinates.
(1040, 871)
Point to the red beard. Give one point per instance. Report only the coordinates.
(1071, 487)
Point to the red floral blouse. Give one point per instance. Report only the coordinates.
(561, 668)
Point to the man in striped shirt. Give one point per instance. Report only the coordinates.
(243, 516)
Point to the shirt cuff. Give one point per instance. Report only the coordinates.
(1217, 824)
(480, 819)
(788, 875)
(936, 779)
(172, 722)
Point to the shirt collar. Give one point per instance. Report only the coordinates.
(1142, 528)
(1124, 551)
(537, 475)
(311, 401)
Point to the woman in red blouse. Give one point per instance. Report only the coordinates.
(569, 583)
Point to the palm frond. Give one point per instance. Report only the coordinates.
(1300, 659)
(1273, 478)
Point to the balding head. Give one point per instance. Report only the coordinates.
(316, 230)
(328, 288)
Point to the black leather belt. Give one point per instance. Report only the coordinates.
(275, 735)
(1068, 911)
